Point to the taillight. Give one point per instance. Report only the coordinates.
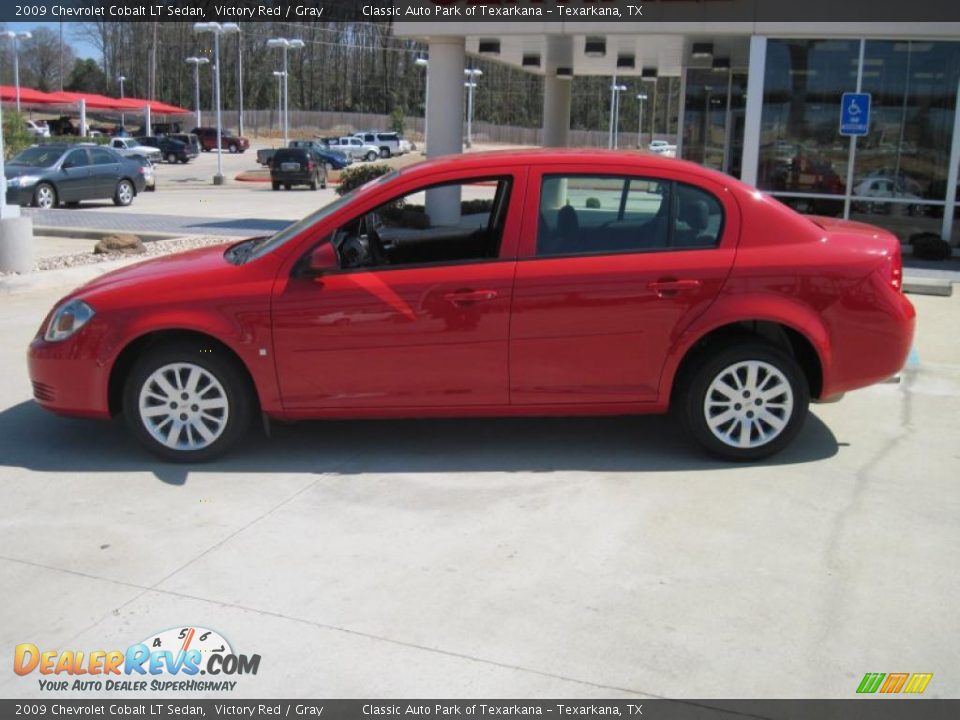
(310, 165)
(896, 270)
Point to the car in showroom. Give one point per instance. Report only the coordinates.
(514, 283)
(297, 166)
(46, 175)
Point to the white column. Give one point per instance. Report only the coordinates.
(556, 92)
(147, 119)
(445, 119)
(754, 109)
(83, 117)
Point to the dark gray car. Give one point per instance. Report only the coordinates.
(47, 175)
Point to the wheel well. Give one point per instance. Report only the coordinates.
(779, 336)
(132, 352)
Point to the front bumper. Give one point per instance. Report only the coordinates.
(67, 378)
(20, 195)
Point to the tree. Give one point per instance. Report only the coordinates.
(40, 61)
(86, 76)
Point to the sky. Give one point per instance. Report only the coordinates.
(81, 48)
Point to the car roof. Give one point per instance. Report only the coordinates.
(595, 158)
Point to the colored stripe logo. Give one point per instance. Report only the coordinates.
(894, 683)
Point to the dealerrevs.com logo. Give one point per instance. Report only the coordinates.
(170, 661)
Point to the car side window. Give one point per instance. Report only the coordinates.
(604, 214)
(102, 157)
(77, 158)
(449, 223)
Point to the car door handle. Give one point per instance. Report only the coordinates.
(665, 288)
(467, 297)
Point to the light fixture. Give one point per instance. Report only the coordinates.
(595, 47)
(702, 50)
(531, 60)
(487, 46)
(626, 60)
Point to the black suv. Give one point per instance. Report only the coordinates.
(173, 150)
(297, 166)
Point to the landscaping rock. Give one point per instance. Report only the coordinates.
(123, 243)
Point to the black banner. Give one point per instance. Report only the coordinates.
(859, 709)
(571, 12)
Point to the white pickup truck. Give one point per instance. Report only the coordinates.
(390, 143)
(355, 148)
(128, 146)
(662, 147)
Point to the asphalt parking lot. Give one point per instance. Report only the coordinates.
(501, 558)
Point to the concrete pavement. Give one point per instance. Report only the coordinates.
(500, 558)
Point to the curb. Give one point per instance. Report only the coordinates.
(927, 286)
(95, 234)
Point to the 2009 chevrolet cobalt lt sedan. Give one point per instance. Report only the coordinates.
(520, 283)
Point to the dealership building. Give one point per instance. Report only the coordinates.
(760, 100)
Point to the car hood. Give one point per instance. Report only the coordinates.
(178, 271)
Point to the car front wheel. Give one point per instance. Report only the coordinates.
(187, 403)
(371, 156)
(171, 158)
(45, 196)
(745, 402)
(124, 193)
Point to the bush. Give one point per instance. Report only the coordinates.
(15, 134)
(593, 202)
(930, 246)
(356, 175)
(398, 120)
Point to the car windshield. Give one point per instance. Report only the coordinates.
(291, 231)
(37, 157)
(132, 143)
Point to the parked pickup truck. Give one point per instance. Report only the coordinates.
(336, 159)
(355, 148)
(390, 143)
(128, 147)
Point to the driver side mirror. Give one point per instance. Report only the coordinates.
(67, 164)
(322, 259)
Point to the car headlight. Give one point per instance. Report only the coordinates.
(67, 319)
(23, 180)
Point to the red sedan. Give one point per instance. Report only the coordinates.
(516, 283)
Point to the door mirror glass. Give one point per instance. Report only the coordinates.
(323, 258)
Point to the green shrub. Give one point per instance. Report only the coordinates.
(398, 120)
(16, 137)
(593, 202)
(356, 175)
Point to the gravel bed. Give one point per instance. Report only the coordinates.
(154, 248)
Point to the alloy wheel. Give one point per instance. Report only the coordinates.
(184, 406)
(748, 404)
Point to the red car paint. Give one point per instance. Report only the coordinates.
(515, 335)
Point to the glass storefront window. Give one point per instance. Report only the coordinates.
(913, 87)
(801, 149)
(902, 219)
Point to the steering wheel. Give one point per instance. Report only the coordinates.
(373, 239)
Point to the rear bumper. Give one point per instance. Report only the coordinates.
(292, 178)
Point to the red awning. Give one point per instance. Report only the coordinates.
(8, 93)
(29, 96)
(160, 108)
(94, 101)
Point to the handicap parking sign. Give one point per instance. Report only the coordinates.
(855, 114)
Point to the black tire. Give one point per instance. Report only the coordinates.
(45, 196)
(172, 158)
(287, 186)
(371, 156)
(313, 183)
(236, 391)
(275, 185)
(124, 193)
(232, 149)
(384, 152)
(777, 371)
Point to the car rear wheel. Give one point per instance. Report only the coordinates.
(124, 193)
(232, 148)
(745, 402)
(187, 403)
(276, 185)
(171, 158)
(371, 156)
(384, 152)
(45, 196)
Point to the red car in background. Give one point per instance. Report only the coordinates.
(228, 141)
(549, 282)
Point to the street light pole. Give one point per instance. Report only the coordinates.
(16, 37)
(120, 79)
(197, 62)
(424, 63)
(615, 91)
(239, 82)
(285, 44)
(471, 84)
(279, 74)
(217, 29)
(642, 98)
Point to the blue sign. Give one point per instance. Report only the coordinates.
(855, 114)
